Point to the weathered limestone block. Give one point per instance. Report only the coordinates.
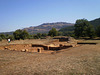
(26, 50)
(6, 47)
(23, 50)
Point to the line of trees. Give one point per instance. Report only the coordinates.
(82, 28)
(2, 36)
(23, 34)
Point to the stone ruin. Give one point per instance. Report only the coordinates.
(55, 45)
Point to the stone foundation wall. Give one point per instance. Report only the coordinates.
(33, 47)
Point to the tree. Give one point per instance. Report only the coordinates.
(35, 36)
(7, 35)
(19, 34)
(67, 31)
(53, 32)
(44, 35)
(39, 35)
(31, 37)
(91, 31)
(60, 33)
(11, 37)
(83, 28)
(98, 31)
(0, 39)
(2, 36)
(24, 34)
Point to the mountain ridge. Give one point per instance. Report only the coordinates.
(95, 22)
(45, 27)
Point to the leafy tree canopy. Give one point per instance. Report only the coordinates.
(98, 31)
(2, 36)
(53, 32)
(19, 34)
(83, 28)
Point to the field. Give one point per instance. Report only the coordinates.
(80, 60)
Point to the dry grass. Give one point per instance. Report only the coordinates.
(27, 41)
(81, 60)
(89, 41)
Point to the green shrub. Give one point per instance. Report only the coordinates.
(11, 37)
(0, 39)
(2, 36)
(21, 34)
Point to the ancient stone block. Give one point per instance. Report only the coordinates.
(23, 50)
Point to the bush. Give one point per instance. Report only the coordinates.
(11, 37)
(35, 36)
(53, 32)
(21, 34)
(0, 39)
(44, 35)
(31, 37)
(2, 36)
(39, 35)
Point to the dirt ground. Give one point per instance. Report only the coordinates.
(81, 60)
(27, 41)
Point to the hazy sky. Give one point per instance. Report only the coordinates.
(15, 14)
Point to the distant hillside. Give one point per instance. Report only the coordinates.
(67, 30)
(95, 22)
(10, 33)
(70, 28)
(45, 27)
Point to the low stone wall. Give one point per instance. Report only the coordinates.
(43, 46)
(34, 47)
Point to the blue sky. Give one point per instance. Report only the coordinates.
(17, 14)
